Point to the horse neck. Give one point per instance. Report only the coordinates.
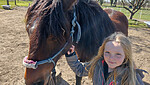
(95, 26)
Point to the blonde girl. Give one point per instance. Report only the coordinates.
(112, 66)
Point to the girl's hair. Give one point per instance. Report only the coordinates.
(128, 73)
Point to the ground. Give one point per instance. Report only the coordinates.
(14, 47)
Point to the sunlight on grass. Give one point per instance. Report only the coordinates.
(136, 24)
(23, 3)
(12, 3)
(142, 14)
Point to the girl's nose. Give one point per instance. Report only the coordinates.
(112, 56)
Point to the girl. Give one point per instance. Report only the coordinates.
(112, 66)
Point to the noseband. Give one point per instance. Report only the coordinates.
(34, 64)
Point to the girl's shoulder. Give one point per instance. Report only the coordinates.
(99, 65)
(100, 62)
(140, 72)
(140, 76)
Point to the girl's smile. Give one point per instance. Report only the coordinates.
(111, 62)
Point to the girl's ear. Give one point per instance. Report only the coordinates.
(67, 4)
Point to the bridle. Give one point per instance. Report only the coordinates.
(34, 64)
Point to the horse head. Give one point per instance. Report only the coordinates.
(49, 28)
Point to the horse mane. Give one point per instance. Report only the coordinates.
(95, 26)
(52, 20)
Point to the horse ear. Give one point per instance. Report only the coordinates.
(67, 4)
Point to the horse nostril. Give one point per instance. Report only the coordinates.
(39, 83)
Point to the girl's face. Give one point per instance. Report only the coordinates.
(113, 54)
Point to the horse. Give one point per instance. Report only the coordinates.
(119, 20)
(53, 26)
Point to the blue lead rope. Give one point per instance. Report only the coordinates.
(74, 23)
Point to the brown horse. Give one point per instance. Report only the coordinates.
(119, 20)
(54, 25)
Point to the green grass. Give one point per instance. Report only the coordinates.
(136, 24)
(12, 3)
(142, 14)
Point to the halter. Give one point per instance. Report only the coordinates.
(34, 64)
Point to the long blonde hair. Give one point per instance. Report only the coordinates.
(128, 75)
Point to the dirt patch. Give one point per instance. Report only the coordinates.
(14, 47)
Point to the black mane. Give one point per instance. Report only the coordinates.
(95, 24)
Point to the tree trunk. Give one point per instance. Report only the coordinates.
(15, 2)
(7, 2)
(131, 16)
(111, 2)
(101, 2)
(115, 3)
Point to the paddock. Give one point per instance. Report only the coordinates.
(14, 47)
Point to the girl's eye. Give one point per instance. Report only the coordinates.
(107, 52)
(118, 54)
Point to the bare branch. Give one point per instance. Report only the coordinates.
(139, 6)
(123, 3)
(136, 5)
(130, 2)
(127, 9)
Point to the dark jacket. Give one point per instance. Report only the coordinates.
(81, 69)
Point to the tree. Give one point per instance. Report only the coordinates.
(115, 3)
(101, 2)
(146, 3)
(111, 2)
(134, 6)
(7, 2)
(15, 2)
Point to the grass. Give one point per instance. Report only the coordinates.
(136, 24)
(12, 3)
(144, 16)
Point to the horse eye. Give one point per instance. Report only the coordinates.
(51, 38)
